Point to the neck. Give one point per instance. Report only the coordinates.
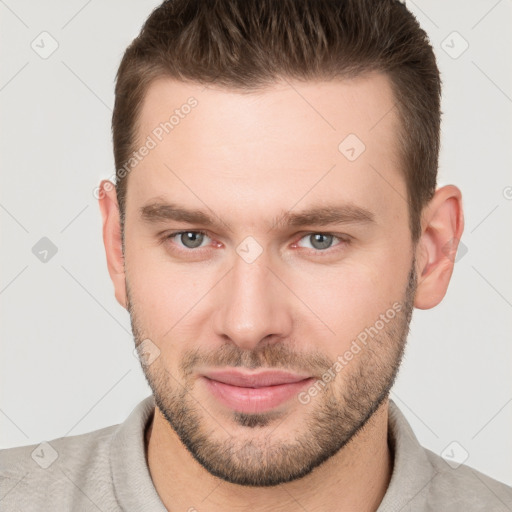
(356, 478)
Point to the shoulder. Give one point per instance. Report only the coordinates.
(466, 488)
(44, 454)
(424, 481)
(65, 467)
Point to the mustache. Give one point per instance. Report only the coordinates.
(275, 356)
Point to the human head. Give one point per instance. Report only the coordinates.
(247, 45)
(251, 156)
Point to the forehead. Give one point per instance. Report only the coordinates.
(314, 109)
(320, 139)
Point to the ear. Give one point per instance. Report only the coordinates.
(442, 226)
(109, 207)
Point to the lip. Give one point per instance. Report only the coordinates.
(254, 392)
(254, 379)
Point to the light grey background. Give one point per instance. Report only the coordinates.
(67, 364)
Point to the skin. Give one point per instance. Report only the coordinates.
(245, 159)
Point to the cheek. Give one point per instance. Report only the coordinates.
(341, 302)
(162, 293)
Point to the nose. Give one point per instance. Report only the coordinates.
(253, 305)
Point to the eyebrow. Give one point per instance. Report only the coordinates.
(318, 216)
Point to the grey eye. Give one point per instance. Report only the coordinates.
(191, 239)
(320, 241)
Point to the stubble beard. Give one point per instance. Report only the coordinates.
(329, 421)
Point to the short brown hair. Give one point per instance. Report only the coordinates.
(248, 44)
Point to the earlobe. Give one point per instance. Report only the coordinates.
(442, 227)
(112, 238)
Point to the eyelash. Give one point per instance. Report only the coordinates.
(343, 240)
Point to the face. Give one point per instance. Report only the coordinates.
(269, 231)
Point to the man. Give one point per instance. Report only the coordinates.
(274, 221)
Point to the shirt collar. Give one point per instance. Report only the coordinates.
(134, 489)
(412, 470)
(133, 486)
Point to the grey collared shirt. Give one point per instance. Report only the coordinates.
(107, 470)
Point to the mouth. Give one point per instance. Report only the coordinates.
(254, 392)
